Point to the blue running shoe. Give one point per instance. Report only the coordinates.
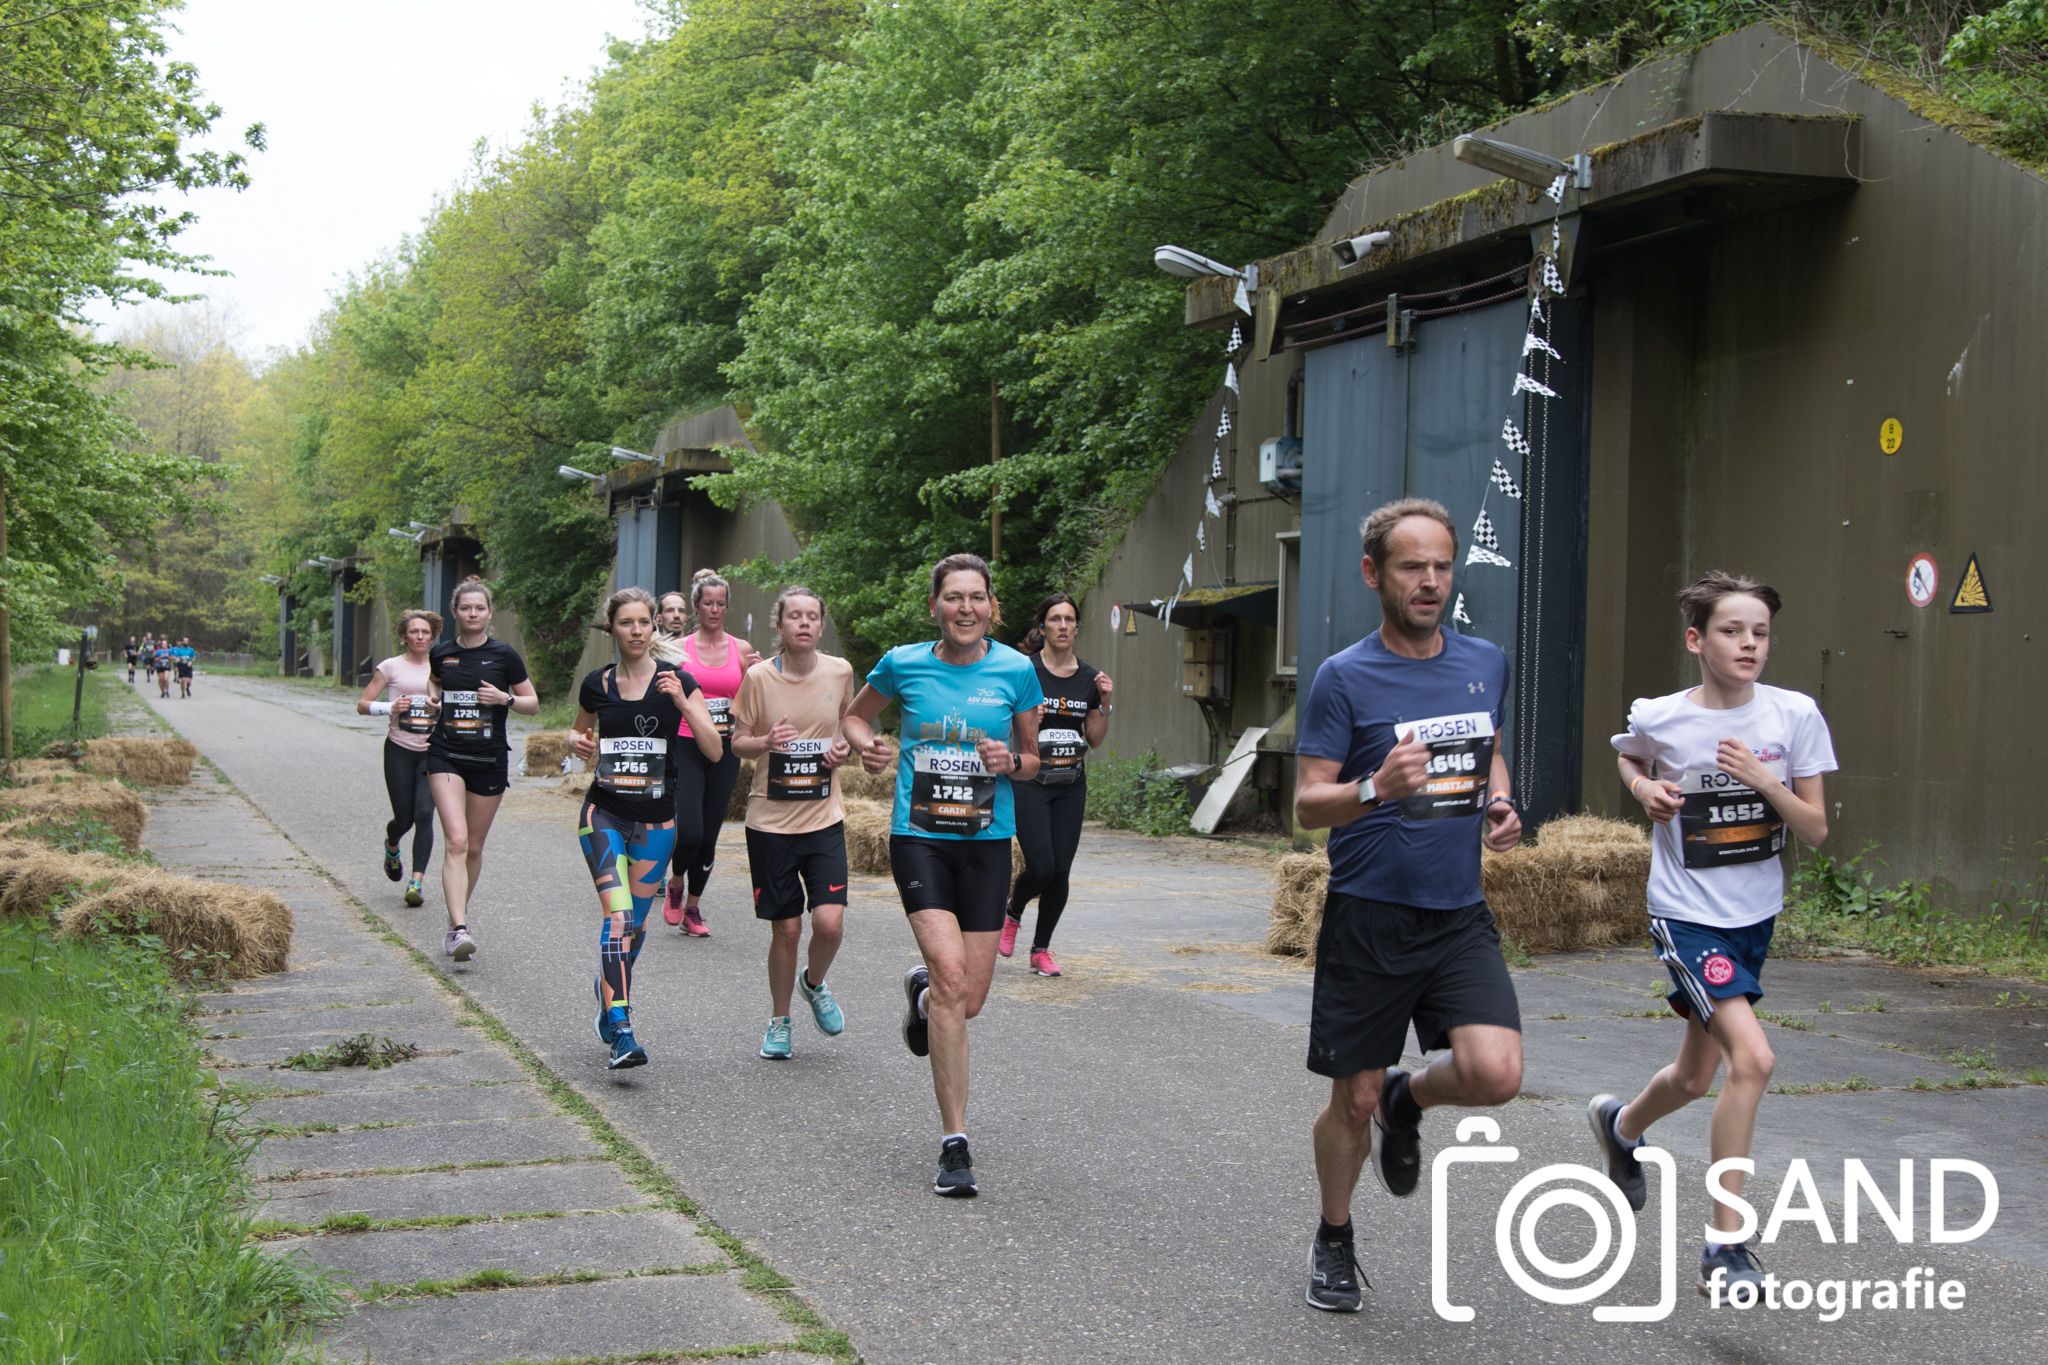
(824, 1009)
(604, 1015)
(1723, 1269)
(626, 1051)
(775, 1042)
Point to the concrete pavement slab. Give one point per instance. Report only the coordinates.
(610, 1244)
(418, 1146)
(568, 1187)
(461, 1068)
(445, 1104)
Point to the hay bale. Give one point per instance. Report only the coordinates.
(59, 803)
(152, 761)
(210, 927)
(38, 874)
(856, 782)
(545, 751)
(38, 772)
(867, 837)
(736, 808)
(1582, 884)
(1300, 881)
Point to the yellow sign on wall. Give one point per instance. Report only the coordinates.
(1971, 595)
(1890, 436)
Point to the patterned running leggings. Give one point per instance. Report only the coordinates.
(627, 863)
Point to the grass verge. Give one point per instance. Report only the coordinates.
(119, 1188)
(1849, 903)
(42, 707)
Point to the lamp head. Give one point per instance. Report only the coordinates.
(1191, 265)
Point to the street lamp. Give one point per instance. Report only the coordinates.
(625, 456)
(1519, 163)
(420, 526)
(413, 537)
(569, 471)
(1193, 265)
(272, 579)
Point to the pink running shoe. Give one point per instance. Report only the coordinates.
(693, 923)
(1007, 944)
(672, 906)
(1042, 962)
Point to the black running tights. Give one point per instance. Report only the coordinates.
(1049, 832)
(405, 781)
(703, 791)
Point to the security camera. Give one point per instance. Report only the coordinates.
(1355, 249)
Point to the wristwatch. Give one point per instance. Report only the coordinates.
(1366, 794)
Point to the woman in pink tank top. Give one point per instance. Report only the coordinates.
(394, 686)
(703, 789)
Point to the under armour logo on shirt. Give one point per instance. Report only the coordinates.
(1475, 687)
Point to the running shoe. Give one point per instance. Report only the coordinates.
(626, 1050)
(1735, 1265)
(414, 896)
(916, 1029)
(1334, 1277)
(457, 943)
(824, 1009)
(672, 903)
(393, 868)
(605, 1028)
(1622, 1167)
(1397, 1147)
(775, 1042)
(693, 923)
(1042, 963)
(956, 1169)
(1007, 944)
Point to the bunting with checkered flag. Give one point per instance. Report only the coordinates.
(1517, 442)
(1458, 616)
(1505, 481)
(1486, 544)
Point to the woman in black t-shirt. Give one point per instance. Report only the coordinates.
(1050, 806)
(473, 681)
(627, 716)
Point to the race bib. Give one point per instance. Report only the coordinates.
(1460, 763)
(464, 715)
(950, 792)
(633, 765)
(413, 716)
(1724, 823)
(800, 774)
(1061, 748)
(721, 714)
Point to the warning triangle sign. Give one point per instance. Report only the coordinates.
(1970, 594)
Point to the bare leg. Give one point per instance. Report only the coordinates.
(1482, 1069)
(828, 931)
(783, 939)
(1343, 1140)
(1676, 1086)
(961, 966)
(1750, 1063)
(481, 810)
(451, 803)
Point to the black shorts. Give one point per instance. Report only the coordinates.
(184, 670)
(1380, 966)
(797, 872)
(970, 877)
(479, 780)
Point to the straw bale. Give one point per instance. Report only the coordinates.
(856, 781)
(545, 750)
(153, 761)
(867, 837)
(1580, 885)
(32, 875)
(1299, 883)
(37, 772)
(87, 799)
(235, 931)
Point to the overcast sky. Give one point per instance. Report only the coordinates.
(372, 108)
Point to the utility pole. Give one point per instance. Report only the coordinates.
(995, 457)
(6, 648)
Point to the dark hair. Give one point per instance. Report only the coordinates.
(1034, 639)
(471, 584)
(1697, 602)
(1379, 525)
(961, 563)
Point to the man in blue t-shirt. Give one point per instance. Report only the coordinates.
(1399, 758)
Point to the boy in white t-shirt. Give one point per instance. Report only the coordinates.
(1724, 770)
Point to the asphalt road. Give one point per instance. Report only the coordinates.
(1140, 1127)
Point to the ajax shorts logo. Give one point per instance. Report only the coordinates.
(646, 725)
(1718, 970)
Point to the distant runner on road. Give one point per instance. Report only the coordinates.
(475, 680)
(969, 724)
(400, 688)
(1399, 759)
(786, 723)
(185, 658)
(134, 655)
(704, 786)
(1724, 770)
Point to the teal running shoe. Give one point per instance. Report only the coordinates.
(831, 1019)
(605, 1027)
(775, 1042)
(626, 1050)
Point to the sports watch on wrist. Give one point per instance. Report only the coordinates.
(1366, 795)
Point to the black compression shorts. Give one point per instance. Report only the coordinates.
(480, 781)
(970, 877)
(1380, 966)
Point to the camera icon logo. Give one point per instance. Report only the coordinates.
(1561, 1185)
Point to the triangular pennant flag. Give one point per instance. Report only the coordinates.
(1536, 313)
(1516, 441)
(1209, 503)
(1524, 384)
(1236, 342)
(1230, 377)
(1201, 536)
(1479, 555)
(1552, 281)
(1556, 190)
(1483, 532)
(1532, 342)
(1505, 481)
(1187, 571)
(1223, 425)
(1458, 615)
(1243, 299)
(1216, 464)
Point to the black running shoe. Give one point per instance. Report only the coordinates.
(1396, 1147)
(956, 1168)
(1622, 1167)
(916, 1031)
(393, 868)
(1334, 1277)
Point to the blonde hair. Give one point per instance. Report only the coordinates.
(664, 648)
(782, 599)
(412, 614)
(702, 580)
(471, 584)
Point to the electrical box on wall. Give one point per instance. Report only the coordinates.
(1280, 464)
(1205, 665)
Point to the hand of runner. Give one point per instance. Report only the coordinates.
(1660, 799)
(996, 756)
(781, 734)
(584, 743)
(1503, 827)
(490, 694)
(1402, 772)
(876, 757)
(670, 686)
(1736, 760)
(1104, 687)
(837, 754)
